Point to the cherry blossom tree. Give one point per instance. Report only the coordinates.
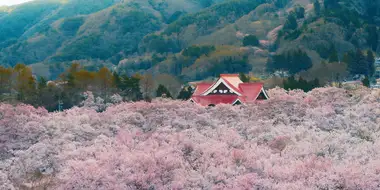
(324, 139)
(98, 103)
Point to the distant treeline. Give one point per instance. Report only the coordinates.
(19, 85)
(295, 61)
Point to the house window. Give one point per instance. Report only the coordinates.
(222, 89)
(261, 96)
(237, 103)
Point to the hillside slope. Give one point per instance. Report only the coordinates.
(152, 35)
(29, 32)
(36, 31)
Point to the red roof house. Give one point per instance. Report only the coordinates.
(228, 89)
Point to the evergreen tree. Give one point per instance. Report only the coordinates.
(197, 51)
(303, 84)
(48, 95)
(117, 81)
(361, 63)
(230, 65)
(371, 63)
(348, 58)
(373, 37)
(251, 40)
(357, 62)
(317, 7)
(315, 83)
(71, 80)
(331, 4)
(281, 3)
(42, 83)
(162, 91)
(243, 77)
(293, 61)
(291, 22)
(333, 56)
(291, 84)
(72, 92)
(185, 93)
(70, 77)
(300, 12)
(130, 88)
(366, 82)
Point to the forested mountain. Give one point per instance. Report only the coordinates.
(193, 39)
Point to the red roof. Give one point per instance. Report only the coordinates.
(214, 99)
(248, 91)
(201, 87)
(233, 80)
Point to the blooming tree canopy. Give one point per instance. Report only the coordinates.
(328, 138)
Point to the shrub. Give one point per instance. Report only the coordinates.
(251, 40)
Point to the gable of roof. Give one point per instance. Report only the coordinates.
(234, 86)
(232, 79)
(201, 87)
(251, 91)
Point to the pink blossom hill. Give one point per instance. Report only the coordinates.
(328, 138)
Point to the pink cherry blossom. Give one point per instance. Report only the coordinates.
(328, 138)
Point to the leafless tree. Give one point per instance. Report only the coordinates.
(147, 86)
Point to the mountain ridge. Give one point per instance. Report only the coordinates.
(135, 36)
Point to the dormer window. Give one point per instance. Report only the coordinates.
(222, 89)
(262, 96)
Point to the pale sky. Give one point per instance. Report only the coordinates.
(12, 2)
